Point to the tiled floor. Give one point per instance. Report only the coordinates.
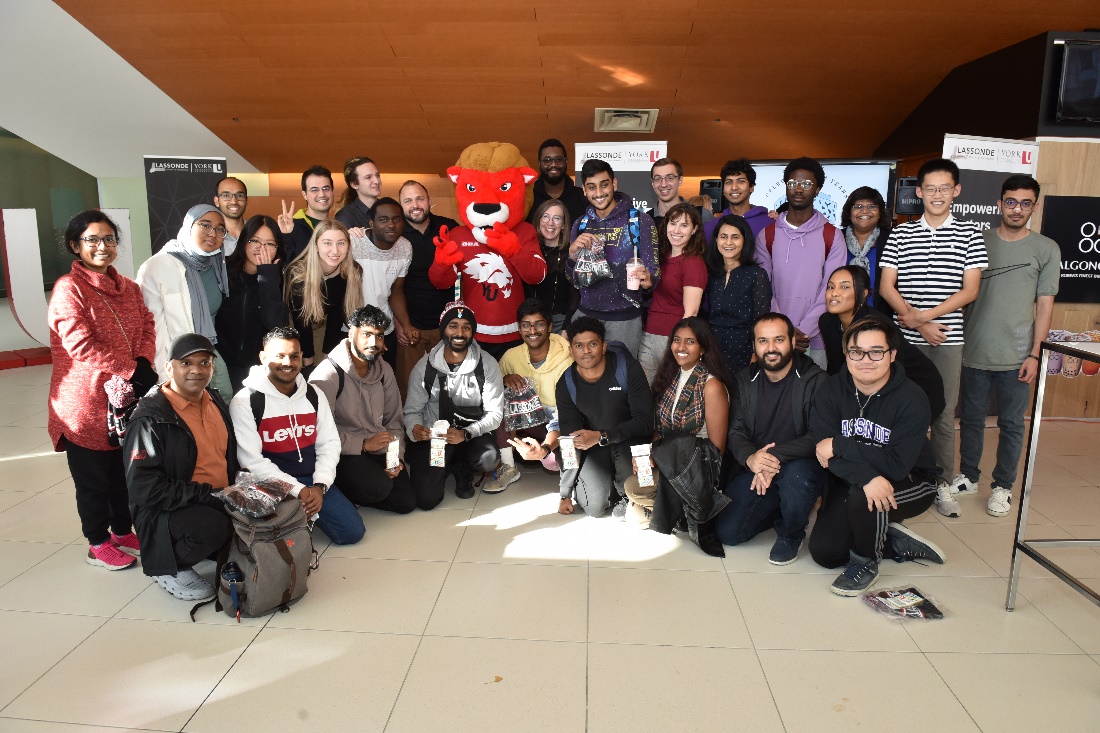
(497, 614)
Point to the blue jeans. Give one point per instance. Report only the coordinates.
(786, 505)
(339, 519)
(1012, 399)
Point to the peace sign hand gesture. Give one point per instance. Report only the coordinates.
(286, 219)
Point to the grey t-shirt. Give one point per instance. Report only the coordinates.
(1000, 323)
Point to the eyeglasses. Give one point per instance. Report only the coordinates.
(559, 159)
(536, 326)
(206, 227)
(864, 207)
(109, 242)
(1013, 203)
(323, 189)
(873, 354)
(269, 245)
(804, 185)
(226, 196)
(670, 178)
(553, 218)
(943, 190)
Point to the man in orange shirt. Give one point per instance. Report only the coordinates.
(179, 448)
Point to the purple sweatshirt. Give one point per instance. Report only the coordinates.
(756, 216)
(799, 271)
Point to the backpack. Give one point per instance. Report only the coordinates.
(258, 399)
(275, 555)
(829, 235)
(621, 363)
(460, 416)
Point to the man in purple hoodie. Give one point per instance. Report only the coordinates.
(738, 183)
(799, 251)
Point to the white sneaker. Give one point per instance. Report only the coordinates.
(506, 475)
(999, 501)
(963, 485)
(187, 585)
(945, 501)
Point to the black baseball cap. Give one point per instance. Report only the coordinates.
(189, 343)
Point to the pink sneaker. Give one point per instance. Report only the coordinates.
(108, 556)
(127, 543)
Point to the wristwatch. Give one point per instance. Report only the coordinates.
(603, 437)
(322, 487)
(546, 448)
(468, 434)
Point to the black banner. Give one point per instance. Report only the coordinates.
(1072, 222)
(175, 184)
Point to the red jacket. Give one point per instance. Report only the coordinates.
(88, 348)
(492, 285)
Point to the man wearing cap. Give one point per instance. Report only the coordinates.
(179, 447)
(459, 384)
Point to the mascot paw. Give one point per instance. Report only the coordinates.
(449, 254)
(502, 240)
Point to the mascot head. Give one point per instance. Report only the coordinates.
(492, 185)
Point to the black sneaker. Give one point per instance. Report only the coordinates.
(857, 577)
(464, 480)
(619, 510)
(907, 545)
(784, 551)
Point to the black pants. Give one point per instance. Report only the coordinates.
(197, 532)
(481, 454)
(844, 523)
(601, 467)
(363, 480)
(101, 498)
(390, 354)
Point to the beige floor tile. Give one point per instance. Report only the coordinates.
(843, 691)
(513, 602)
(534, 484)
(961, 560)
(1049, 471)
(530, 532)
(349, 682)
(45, 517)
(433, 535)
(33, 643)
(664, 607)
(11, 725)
(993, 543)
(488, 685)
(12, 412)
(33, 473)
(39, 419)
(65, 583)
(1070, 611)
(14, 440)
(8, 499)
(800, 612)
(976, 619)
(18, 557)
(353, 594)
(1067, 504)
(161, 678)
(1024, 692)
(615, 544)
(155, 604)
(677, 677)
(752, 557)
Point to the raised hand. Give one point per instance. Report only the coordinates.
(286, 219)
(501, 239)
(447, 251)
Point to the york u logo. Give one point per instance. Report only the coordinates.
(1025, 157)
(298, 431)
(1089, 241)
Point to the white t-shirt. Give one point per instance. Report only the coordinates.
(381, 267)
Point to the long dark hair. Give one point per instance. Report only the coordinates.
(234, 263)
(715, 263)
(865, 193)
(80, 223)
(696, 246)
(861, 283)
(712, 359)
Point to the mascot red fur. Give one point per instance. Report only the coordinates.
(496, 252)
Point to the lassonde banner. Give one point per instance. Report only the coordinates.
(175, 184)
(984, 163)
(631, 162)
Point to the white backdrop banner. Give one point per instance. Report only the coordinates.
(631, 162)
(840, 180)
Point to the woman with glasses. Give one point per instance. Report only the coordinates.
(556, 289)
(100, 331)
(866, 229)
(322, 286)
(845, 303)
(738, 291)
(255, 304)
(185, 284)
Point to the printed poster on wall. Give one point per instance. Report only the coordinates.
(173, 185)
(984, 163)
(1072, 222)
(841, 178)
(631, 162)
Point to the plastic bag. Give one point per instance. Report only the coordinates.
(591, 266)
(903, 602)
(523, 408)
(254, 497)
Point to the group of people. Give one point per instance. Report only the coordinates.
(725, 375)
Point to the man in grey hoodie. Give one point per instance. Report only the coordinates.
(458, 383)
(366, 405)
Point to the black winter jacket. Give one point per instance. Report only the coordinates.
(159, 455)
(255, 306)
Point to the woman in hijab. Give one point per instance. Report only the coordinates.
(184, 285)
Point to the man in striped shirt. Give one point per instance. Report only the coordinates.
(931, 268)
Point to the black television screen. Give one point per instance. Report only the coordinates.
(1079, 92)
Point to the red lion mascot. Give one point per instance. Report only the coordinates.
(496, 252)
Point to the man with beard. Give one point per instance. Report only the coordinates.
(780, 481)
(298, 225)
(800, 250)
(553, 183)
(366, 406)
(285, 430)
(456, 383)
(423, 300)
(384, 256)
(232, 200)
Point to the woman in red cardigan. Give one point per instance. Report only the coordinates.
(99, 328)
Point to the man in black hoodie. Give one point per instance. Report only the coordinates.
(780, 481)
(871, 424)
